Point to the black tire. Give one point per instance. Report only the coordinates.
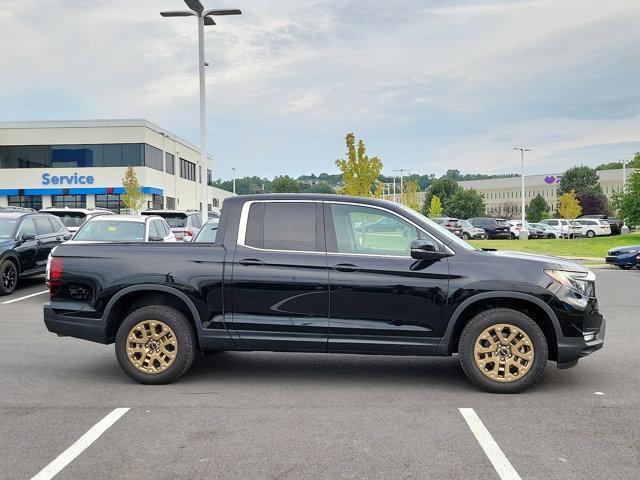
(625, 267)
(591, 234)
(494, 316)
(466, 236)
(8, 277)
(551, 235)
(513, 236)
(184, 334)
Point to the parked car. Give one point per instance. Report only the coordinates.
(183, 223)
(74, 218)
(26, 238)
(562, 228)
(624, 257)
(516, 226)
(208, 232)
(592, 227)
(288, 273)
(124, 228)
(451, 224)
(614, 223)
(470, 232)
(547, 231)
(494, 227)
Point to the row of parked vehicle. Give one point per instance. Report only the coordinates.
(27, 236)
(479, 228)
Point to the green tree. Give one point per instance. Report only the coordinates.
(359, 172)
(580, 179)
(453, 174)
(285, 184)
(628, 202)
(133, 198)
(569, 206)
(635, 163)
(321, 187)
(537, 209)
(435, 207)
(465, 203)
(444, 188)
(410, 195)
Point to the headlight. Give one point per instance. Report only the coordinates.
(579, 282)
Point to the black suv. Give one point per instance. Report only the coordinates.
(26, 238)
(495, 227)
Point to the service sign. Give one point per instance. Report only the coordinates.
(75, 179)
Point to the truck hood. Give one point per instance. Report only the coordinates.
(545, 261)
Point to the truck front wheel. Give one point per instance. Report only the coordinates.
(503, 351)
(155, 344)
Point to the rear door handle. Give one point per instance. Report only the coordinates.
(346, 267)
(40, 242)
(251, 261)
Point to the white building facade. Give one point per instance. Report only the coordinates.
(82, 163)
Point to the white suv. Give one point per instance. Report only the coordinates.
(592, 227)
(74, 218)
(562, 228)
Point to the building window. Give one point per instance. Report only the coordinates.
(200, 173)
(26, 201)
(65, 156)
(153, 158)
(71, 201)
(187, 170)
(171, 203)
(216, 202)
(171, 166)
(110, 202)
(156, 202)
(209, 177)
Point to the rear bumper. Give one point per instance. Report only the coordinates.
(629, 259)
(571, 349)
(79, 327)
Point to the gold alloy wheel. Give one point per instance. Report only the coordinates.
(503, 352)
(151, 346)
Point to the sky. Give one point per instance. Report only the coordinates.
(428, 85)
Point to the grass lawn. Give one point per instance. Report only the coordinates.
(579, 247)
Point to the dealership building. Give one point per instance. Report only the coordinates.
(82, 163)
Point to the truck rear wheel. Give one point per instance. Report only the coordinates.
(503, 351)
(155, 344)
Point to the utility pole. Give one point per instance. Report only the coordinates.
(204, 18)
(401, 170)
(233, 169)
(524, 234)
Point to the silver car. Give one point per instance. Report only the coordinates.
(470, 232)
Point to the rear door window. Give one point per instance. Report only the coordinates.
(43, 226)
(282, 226)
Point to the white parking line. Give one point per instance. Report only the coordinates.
(23, 298)
(491, 449)
(66, 457)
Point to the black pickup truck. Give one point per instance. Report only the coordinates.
(305, 273)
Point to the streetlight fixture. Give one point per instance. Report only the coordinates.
(233, 169)
(524, 234)
(401, 170)
(204, 18)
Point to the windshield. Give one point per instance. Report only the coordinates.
(70, 219)
(175, 220)
(7, 228)
(451, 238)
(111, 231)
(208, 233)
(465, 223)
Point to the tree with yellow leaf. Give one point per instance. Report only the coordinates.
(133, 198)
(569, 205)
(435, 208)
(410, 195)
(359, 172)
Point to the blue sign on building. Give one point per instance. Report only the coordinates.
(74, 179)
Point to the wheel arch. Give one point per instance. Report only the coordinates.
(12, 257)
(131, 298)
(531, 306)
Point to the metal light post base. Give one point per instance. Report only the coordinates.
(523, 234)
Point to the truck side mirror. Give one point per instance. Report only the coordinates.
(424, 250)
(156, 238)
(28, 236)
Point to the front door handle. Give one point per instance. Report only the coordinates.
(346, 267)
(40, 242)
(251, 261)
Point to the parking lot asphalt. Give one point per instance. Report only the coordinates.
(292, 416)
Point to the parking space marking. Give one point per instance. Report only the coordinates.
(491, 448)
(66, 457)
(23, 298)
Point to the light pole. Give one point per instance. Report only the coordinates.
(401, 170)
(204, 18)
(234, 180)
(624, 176)
(394, 188)
(522, 150)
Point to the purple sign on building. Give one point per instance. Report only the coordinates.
(551, 179)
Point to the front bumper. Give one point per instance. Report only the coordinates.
(91, 329)
(571, 349)
(625, 259)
